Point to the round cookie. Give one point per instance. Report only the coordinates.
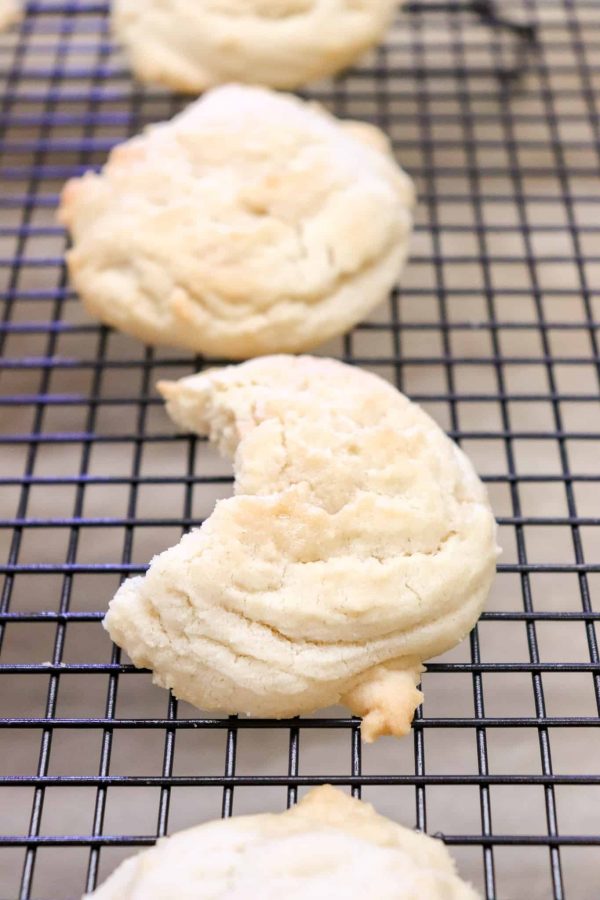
(190, 46)
(10, 12)
(328, 846)
(359, 543)
(252, 223)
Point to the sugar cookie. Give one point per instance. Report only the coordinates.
(252, 223)
(328, 846)
(190, 45)
(359, 543)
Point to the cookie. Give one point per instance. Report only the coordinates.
(251, 223)
(359, 543)
(191, 46)
(328, 846)
(10, 12)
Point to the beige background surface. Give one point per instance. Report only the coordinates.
(463, 149)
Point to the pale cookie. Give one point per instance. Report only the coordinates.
(251, 223)
(191, 45)
(359, 542)
(10, 12)
(328, 847)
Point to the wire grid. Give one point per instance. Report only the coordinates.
(494, 331)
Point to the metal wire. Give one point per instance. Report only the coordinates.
(495, 331)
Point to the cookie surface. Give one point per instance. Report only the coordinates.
(252, 223)
(191, 46)
(359, 543)
(328, 846)
(10, 12)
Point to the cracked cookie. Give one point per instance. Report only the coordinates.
(359, 543)
(251, 223)
(190, 46)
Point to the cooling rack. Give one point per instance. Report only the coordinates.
(494, 331)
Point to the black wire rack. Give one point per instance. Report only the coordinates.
(494, 331)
